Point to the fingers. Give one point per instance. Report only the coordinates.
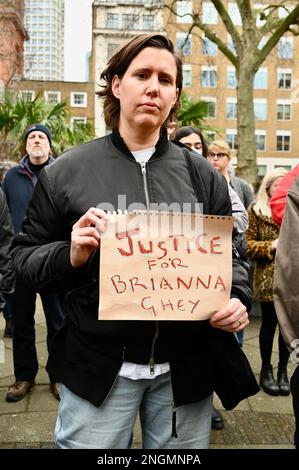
(232, 318)
(86, 235)
(93, 218)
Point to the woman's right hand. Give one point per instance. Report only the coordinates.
(86, 235)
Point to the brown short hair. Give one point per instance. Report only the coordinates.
(118, 65)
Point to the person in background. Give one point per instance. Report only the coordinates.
(7, 274)
(219, 156)
(262, 238)
(285, 208)
(18, 185)
(192, 138)
(279, 198)
(112, 370)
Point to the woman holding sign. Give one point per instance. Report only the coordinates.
(112, 370)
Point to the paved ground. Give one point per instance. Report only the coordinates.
(259, 422)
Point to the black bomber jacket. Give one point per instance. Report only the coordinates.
(87, 354)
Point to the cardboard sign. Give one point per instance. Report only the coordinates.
(165, 266)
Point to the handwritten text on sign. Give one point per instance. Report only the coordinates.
(165, 266)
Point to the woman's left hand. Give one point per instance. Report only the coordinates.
(233, 317)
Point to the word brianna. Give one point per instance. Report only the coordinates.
(196, 282)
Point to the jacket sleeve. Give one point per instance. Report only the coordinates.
(278, 200)
(7, 273)
(239, 212)
(248, 193)
(286, 274)
(41, 252)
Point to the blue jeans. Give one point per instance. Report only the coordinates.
(81, 425)
(22, 303)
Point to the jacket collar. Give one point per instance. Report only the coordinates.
(161, 147)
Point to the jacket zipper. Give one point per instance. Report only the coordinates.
(156, 334)
(145, 186)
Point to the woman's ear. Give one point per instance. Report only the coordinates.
(115, 86)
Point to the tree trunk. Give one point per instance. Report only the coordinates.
(246, 153)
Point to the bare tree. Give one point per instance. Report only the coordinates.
(253, 42)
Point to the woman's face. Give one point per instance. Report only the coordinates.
(274, 186)
(147, 92)
(193, 141)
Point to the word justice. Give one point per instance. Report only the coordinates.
(203, 243)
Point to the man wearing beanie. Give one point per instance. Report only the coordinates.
(18, 185)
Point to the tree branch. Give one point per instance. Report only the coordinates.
(228, 24)
(216, 39)
(283, 26)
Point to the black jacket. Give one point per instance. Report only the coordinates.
(87, 354)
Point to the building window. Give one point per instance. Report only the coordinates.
(260, 140)
(130, 21)
(211, 109)
(210, 136)
(230, 44)
(184, 12)
(284, 78)
(262, 42)
(231, 108)
(259, 8)
(208, 76)
(183, 43)
(283, 141)
(52, 96)
(148, 22)
(111, 48)
(232, 138)
(187, 75)
(27, 95)
(283, 12)
(209, 13)
(261, 79)
(234, 14)
(260, 109)
(112, 20)
(208, 47)
(78, 99)
(284, 108)
(78, 120)
(285, 48)
(231, 77)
